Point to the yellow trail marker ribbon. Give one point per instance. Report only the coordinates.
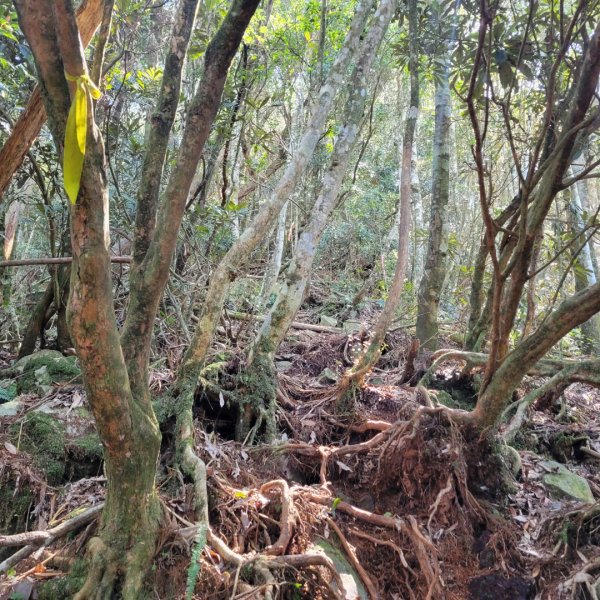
(76, 133)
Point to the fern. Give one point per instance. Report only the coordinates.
(195, 565)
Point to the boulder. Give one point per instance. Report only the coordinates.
(328, 375)
(38, 372)
(328, 321)
(564, 484)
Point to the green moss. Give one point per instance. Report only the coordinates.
(64, 588)
(44, 370)
(88, 447)
(446, 399)
(165, 407)
(14, 510)
(258, 398)
(43, 437)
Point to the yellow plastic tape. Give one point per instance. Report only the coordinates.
(76, 133)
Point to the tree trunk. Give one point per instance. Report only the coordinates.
(115, 367)
(291, 294)
(434, 272)
(583, 268)
(39, 316)
(572, 312)
(256, 231)
(274, 266)
(369, 358)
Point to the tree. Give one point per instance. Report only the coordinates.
(291, 294)
(115, 366)
(434, 272)
(268, 212)
(369, 357)
(539, 184)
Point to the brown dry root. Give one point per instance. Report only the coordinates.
(273, 558)
(288, 515)
(422, 546)
(584, 584)
(405, 444)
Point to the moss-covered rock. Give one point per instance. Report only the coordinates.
(43, 437)
(15, 502)
(84, 457)
(38, 372)
(8, 390)
(563, 484)
(64, 588)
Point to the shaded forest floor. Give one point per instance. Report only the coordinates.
(414, 510)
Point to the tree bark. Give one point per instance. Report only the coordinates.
(114, 366)
(572, 312)
(290, 296)
(583, 267)
(368, 359)
(255, 233)
(434, 272)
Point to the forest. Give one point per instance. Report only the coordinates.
(299, 299)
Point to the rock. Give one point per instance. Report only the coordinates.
(563, 484)
(351, 326)
(512, 459)
(283, 365)
(41, 355)
(40, 371)
(10, 409)
(328, 321)
(355, 590)
(8, 390)
(328, 375)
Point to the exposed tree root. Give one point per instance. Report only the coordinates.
(587, 371)
(353, 560)
(32, 540)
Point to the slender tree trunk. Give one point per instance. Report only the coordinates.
(41, 313)
(434, 272)
(255, 233)
(583, 268)
(369, 358)
(274, 264)
(291, 294)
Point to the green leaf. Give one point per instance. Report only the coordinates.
(336, 501)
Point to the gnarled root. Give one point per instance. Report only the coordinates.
(115, 571)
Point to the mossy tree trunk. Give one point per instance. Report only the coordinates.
(115, 366)
(269, 211)
(434, 272)
(290, 296)
(367, 359)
